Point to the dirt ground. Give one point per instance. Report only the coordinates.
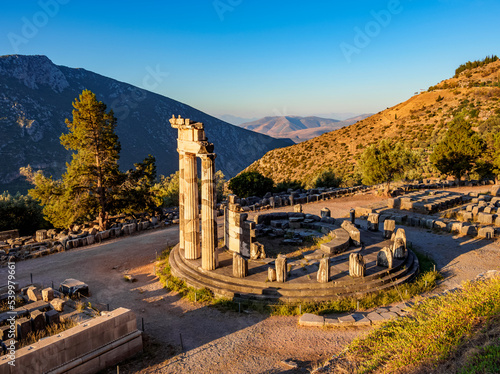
(227, 342)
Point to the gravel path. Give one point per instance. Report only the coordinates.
(227, 342)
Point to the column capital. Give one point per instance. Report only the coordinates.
(207, 156)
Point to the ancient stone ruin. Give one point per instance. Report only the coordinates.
(344, 263)
(192, 143)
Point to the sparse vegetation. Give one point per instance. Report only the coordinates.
(435, 329)
(469, 65)
(425, 282)
(420, 123)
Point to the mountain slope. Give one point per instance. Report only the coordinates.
(36, 96)
(297, 128)
(419, 122)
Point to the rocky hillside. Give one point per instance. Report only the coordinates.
(36, 97)
(419, 122)
(297, 128)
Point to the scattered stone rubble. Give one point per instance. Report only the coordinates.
(44, 242)
(464, 214)
(41, 307)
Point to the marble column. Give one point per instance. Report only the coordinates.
(208, 213)
(181, 200)
(191, 211)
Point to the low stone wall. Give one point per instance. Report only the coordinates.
(11, 234)
(87, 348)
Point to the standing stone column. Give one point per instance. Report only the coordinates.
(181, 200)
(281, 268)
(208, 214)
(191, 212)
(323, 275)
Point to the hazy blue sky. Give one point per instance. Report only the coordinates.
(253, 57)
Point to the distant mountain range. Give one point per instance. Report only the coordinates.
(36, 96)
(419, 122)
(234, 120)
(298, 128)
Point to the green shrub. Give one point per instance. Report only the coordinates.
(22, 213)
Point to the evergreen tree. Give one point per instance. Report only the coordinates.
(459, 151)
(90, 184)
(137, 190)
(326, 178)
(251, 183)
(385, 162)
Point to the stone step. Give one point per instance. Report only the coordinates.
(205, 279)
(237, 288)
(291, 285)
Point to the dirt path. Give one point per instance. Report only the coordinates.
(218, 342)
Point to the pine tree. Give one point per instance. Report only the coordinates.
(89, 187)
(385, 162)
(459, 151)
(93, 175)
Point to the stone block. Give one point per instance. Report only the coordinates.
(361, 320)
(281, 268)
(375, 318)
(486, 232)
(325, 212)
(454, 227)
(58, 304)
(4, 332)
(399, 249)
(90, 239)
(34, 294)
(37, 320)
(467, 216)
(385, 258)
(271, 274)
(51, 317)
(323, 275)
(373, 221)
(347, 320)
(469, 230)
(353, 232)
(23, 328)
(297, 208)
(357, 266)
(240, 266)
(40, 235)
(47, 294)
(257, 251)
(439, 225)
(485, 218)
(402, 235)
(495, 190)
(311, 320)
(389, 227)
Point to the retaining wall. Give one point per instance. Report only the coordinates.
(87, 348)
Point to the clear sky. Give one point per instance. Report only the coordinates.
(253, 58)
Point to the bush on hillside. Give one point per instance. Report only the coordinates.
(22, 213)
(251, 183)
(469, 65)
